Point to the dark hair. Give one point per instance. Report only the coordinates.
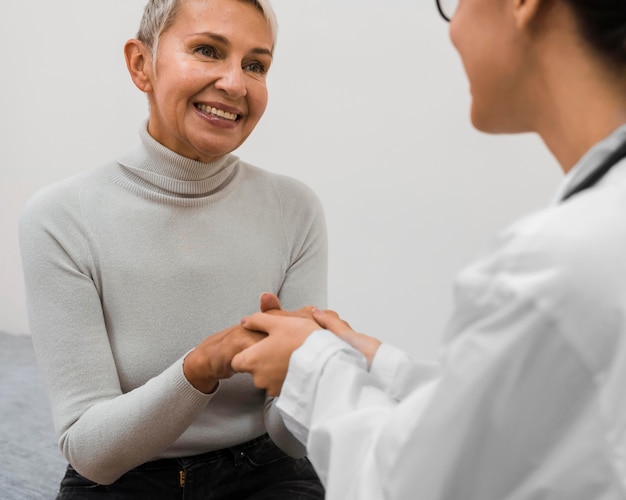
(603, 24)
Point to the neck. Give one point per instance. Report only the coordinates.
(581, 101)
(580, 124)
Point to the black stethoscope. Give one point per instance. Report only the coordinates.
(598, 172)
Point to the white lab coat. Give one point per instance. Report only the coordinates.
(528, 400)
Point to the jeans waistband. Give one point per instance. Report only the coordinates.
(209, 456)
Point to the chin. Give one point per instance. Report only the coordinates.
(498, 120)
(490, 124)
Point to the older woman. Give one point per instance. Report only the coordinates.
(138, 272)
(528, 400)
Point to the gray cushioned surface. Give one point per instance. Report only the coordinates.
(31, 465)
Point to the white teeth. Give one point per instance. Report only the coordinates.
(217, 112)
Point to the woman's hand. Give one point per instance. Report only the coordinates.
(211, 359)
(270, 303)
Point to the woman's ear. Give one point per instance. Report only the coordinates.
(139, 64)
(527, 12)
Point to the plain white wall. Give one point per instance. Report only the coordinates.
(368, 105)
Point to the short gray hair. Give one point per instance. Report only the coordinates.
(159, 15)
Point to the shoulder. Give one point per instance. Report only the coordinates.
(566, 260)
(62, 198)
(290, 191)
(563, 268)
(581, 230)
(584, 237)
(281, 182)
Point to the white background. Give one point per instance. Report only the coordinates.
(368, 105)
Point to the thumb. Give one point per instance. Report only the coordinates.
(269, 301)
(240, 362)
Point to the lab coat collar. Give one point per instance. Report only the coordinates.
(589, 161)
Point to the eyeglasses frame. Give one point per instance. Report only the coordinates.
(446, 18)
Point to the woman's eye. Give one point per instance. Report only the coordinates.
(206, 51)
(255, 67)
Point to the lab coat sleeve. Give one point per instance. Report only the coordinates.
(500, 422)
(399, 373)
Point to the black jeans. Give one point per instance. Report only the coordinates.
(256, 470)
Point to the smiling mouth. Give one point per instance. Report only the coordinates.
(217, 112)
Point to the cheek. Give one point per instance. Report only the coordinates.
(479, 70)
(257, 99)
(481, 59)
(465, 44)
(495, 105)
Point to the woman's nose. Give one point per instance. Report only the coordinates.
(232, 81)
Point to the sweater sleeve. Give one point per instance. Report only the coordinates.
(102, 432)
(305, 281)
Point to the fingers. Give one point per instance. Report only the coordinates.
(240, 362)
(268, 302)
(304, 312)
(248, 338)
(211, 359)
(330, 320)
(244, 361)
(267, 362)
(260, 322)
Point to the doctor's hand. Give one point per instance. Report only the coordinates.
(267, 361)
(331, 321)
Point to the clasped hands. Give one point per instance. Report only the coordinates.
(263, 343)
(268, 359)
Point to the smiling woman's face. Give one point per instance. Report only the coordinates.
(208, 89)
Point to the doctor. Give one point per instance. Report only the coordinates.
(527, 400)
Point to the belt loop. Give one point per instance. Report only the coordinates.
(238, 455)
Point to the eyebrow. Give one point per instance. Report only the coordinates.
(223, 40)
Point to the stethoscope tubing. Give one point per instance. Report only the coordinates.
(599, 172)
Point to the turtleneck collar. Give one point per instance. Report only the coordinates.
(161, 170)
